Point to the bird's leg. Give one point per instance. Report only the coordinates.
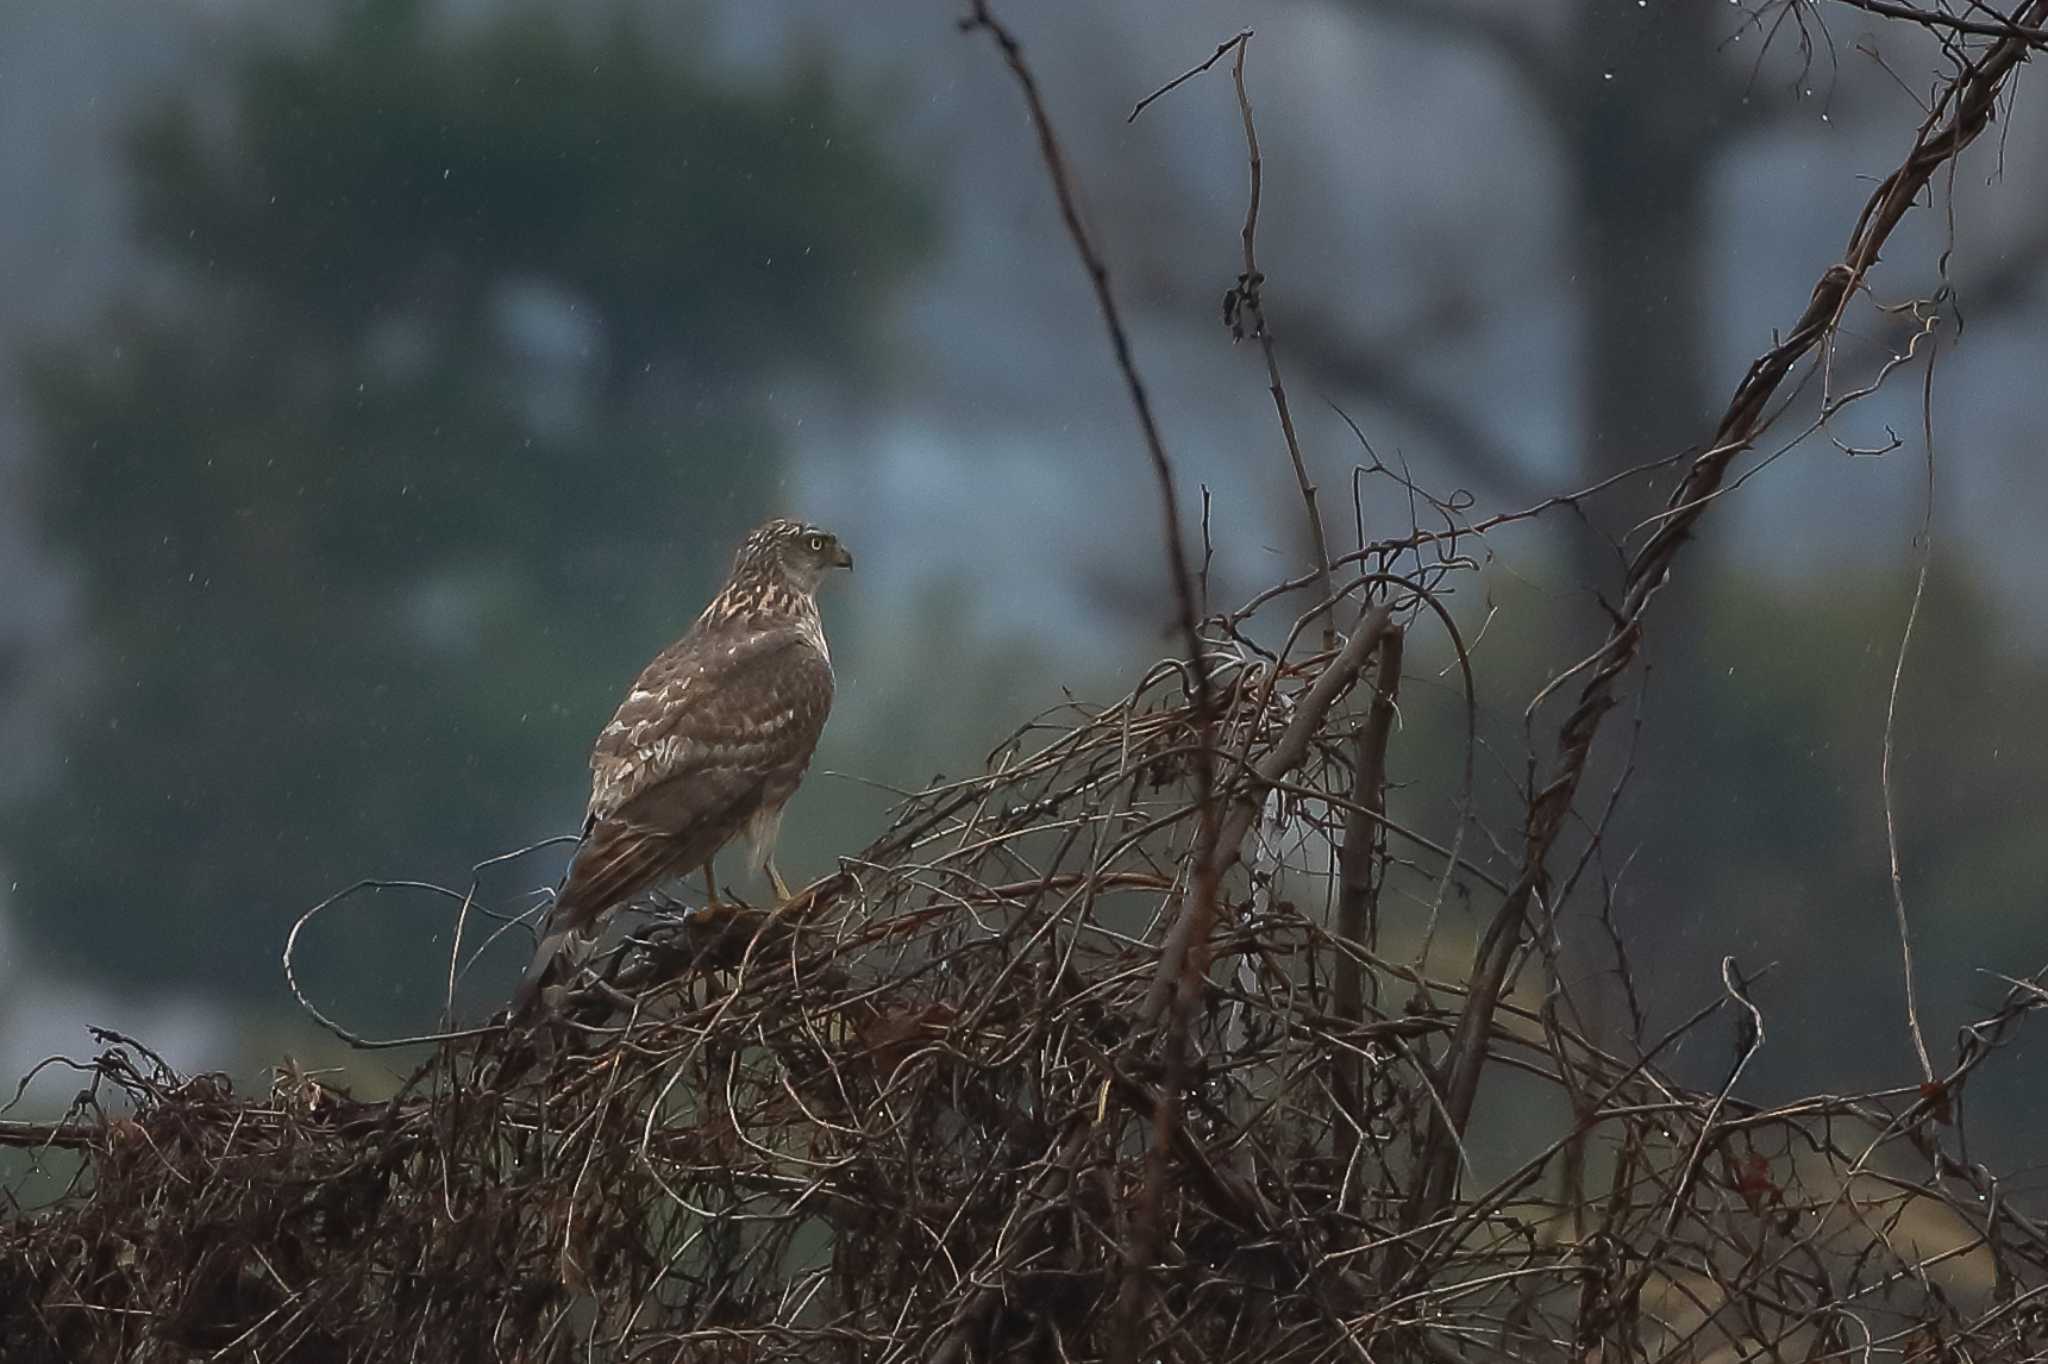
(775, 879)
(710, 887)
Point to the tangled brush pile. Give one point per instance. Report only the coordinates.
(944, 1105)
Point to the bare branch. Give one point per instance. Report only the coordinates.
(1184, 77)
(1962, 112)
(1994, 27)
(1199, 913)
(1244, 312)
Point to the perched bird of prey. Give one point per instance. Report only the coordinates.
(710, 742)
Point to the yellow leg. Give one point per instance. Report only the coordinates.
(710, 887)
(775, 879)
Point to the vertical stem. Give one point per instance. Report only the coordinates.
(1360, 875)
(1252, 314)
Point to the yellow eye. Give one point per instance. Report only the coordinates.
(817, 544)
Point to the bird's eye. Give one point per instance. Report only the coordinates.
(817, 544)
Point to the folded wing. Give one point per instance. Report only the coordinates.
(715, 731)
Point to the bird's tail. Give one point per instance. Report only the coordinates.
(566, 921)
(614, 861)
(542, 971)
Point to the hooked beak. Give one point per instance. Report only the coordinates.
(843, 559)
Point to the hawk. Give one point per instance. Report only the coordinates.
(710, 742)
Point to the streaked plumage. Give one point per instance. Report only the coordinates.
(712, 738)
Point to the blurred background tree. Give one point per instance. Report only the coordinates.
(434, 422)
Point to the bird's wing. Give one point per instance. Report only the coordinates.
(713, 729)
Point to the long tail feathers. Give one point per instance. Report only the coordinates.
(615, 862)
(539, 972)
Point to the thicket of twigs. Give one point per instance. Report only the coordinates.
(1105, 1053)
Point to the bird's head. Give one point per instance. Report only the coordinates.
(798, 553)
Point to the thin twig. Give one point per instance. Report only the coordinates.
(1244, 311)
(2031, 34)
(1891, 713)
(1189, 74)
(1245, 307)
